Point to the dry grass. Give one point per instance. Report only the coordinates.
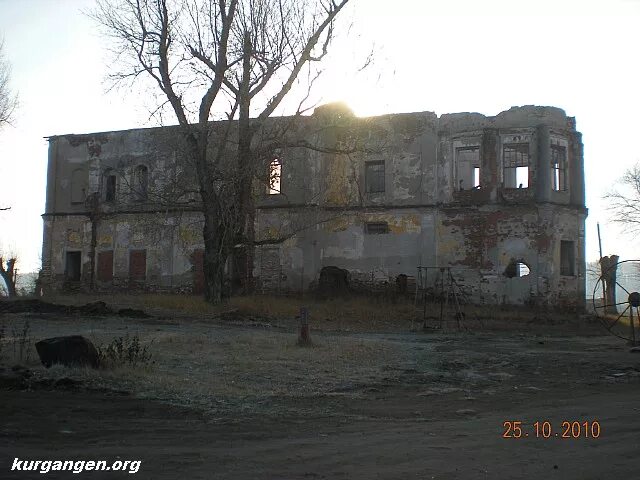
(346, 314)
(216, 368)
(356, 313)
(353, 313)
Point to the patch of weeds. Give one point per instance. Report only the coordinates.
(122, 351)
(21, 341)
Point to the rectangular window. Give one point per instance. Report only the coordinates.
(468, 168)
(137, 265)
(72, 267)
(515, 162)
(110, 188)
(567, 258)
(376, 228)
(374, 177)
(559, 168)
(105, 266)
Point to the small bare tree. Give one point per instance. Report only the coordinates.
(8, 100)
(231, 59)
(624, 200)
(8, 272)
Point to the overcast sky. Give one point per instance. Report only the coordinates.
(450, 56)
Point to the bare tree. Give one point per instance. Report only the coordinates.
(235, 59)
(8, 272)
(624, 200)
(8, 100)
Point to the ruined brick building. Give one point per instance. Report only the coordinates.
(498, 199)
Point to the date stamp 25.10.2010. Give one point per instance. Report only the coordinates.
(566, 429)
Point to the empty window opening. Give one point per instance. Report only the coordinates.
(110, 182)
(275, 177)
(567, 258)
(517, 269)
(72, 267)
(137, 265)
(374, 177)
(78, 186)
(105, 266)
(376, 228)
(515, 160)
(559, 167)
(522, 177)
(468, 168)
(141, 182)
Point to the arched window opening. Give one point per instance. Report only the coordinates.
(141, 182)
(275, 175)
(517, 269)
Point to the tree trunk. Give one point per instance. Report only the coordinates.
(92, 251)
(246, 171)
(215, 256)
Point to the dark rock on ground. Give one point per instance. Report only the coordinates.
(74, 350)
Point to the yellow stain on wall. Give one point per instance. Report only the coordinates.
(105, 240)
(339, 224)
(338, 182)
(73, 237)
(188, 236)
(398, 223)
(271, 233)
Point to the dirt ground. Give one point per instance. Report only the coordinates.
(234, 398)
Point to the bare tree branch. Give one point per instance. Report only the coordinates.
(8, 101)
(624, 200)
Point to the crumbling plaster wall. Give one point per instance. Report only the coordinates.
(320, 217)
(476, 232)
(168, 236)
(169, 245)
(343, 241)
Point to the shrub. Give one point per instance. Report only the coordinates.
(124, 351)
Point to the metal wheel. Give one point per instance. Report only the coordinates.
(617, 305)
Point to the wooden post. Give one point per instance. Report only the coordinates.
(304, 338)
(599, 239)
